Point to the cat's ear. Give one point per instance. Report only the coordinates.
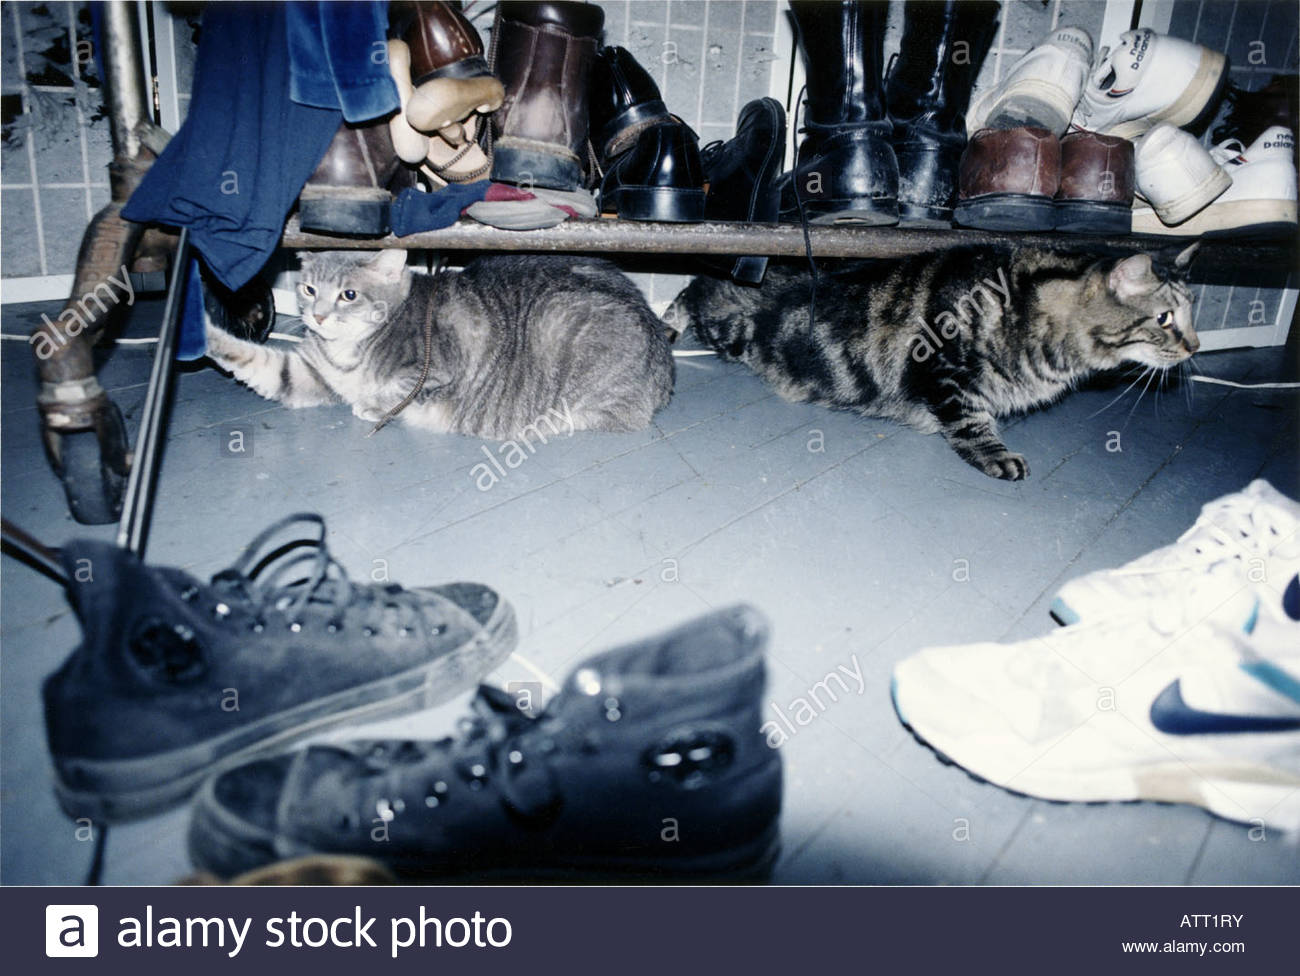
(1184, 259)
(1130, 277)
(389, 264)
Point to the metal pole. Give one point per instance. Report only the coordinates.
(148, 449)
(128, 105)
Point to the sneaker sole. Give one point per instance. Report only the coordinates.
(1030, 102)
(227, 846)
(1232, 218)
(1201, 784)
(1200, 95)
(163, 780)
(1194, 200)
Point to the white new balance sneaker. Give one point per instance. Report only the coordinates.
(1248, 538)
(1205, 715)
(1175, 175)
(1148, 78)
(1041, 89)
(1260, 202)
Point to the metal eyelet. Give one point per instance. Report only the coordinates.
(368, 631)
(221, 611)
(295, 626)
(257, 626)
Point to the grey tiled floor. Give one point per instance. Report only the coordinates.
(850, 549)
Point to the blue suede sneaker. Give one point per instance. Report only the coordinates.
(649, 763)
(175, 680)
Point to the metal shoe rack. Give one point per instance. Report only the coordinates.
(82, 428)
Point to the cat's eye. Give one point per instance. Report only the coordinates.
(308, 290)
(349, 295)
(1165, 318)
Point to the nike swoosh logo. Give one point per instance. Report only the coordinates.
(1173, 716)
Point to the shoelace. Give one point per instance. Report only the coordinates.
(803, 216)
(489, 744)
(249, 584)
(1229, 531)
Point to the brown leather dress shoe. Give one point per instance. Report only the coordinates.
(1008, 178)
(1097, 179)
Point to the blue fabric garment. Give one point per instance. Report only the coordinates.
(192, 342)
(245, 150)
(338, 57)
(414, 211)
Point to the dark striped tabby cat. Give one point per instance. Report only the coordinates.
(949, 341)
(517, 341)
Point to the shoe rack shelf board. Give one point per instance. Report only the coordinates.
(783, 240)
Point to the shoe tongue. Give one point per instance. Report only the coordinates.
(1121, 68)
(1276, 140)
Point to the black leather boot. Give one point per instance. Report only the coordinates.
(543, 53)
(927, 93)
(742, 173)
(650, 158)
(845, 168)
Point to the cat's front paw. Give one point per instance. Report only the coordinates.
(1004, 465)
(368, 412)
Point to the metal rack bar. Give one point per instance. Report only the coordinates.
(780, 240)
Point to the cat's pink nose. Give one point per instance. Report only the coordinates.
(320, 319)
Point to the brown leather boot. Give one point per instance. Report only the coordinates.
(544, 54)
(1008, 178)
(348, 193)
(1097, 179)
(448, 68)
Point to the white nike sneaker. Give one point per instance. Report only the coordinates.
(1041, 89)
(1176, 175)
(1248, 538)
(1260, 202)
(1148, 78)
(1111, 711)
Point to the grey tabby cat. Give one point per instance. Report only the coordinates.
(951, 341)
(515, 339)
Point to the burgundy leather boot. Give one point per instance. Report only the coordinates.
(448, 67)
(543, 53)
(348, 193)
(1008, 178)
(1097, 180)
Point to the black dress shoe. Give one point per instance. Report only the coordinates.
(845, 169)
(649, 157)
(741, 174)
